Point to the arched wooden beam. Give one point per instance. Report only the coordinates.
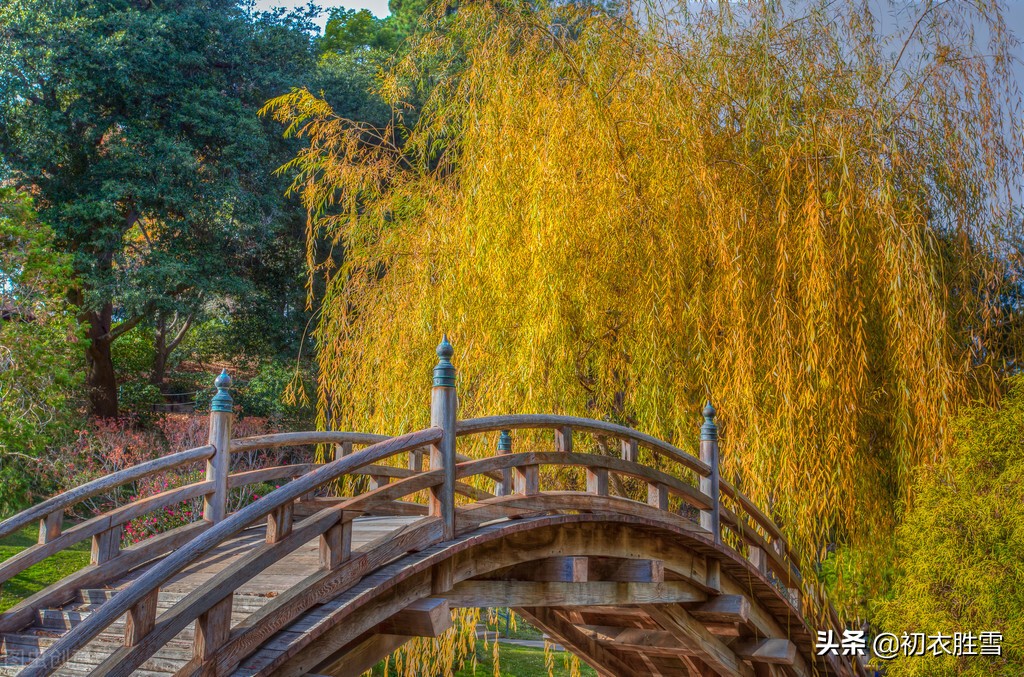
(335, 623)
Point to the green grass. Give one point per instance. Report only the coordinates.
(519, 661)
(515, 661)
(39, 576)
(523, 630)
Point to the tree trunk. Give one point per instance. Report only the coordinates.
(100, 378)
(161, 353)
(164, 343)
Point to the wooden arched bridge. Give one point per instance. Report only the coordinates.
(303, 582)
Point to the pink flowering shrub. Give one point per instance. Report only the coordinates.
(107, 446)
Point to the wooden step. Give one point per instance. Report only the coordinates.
(95, 597)
(25, 647)
(62, 620)
(18, 649)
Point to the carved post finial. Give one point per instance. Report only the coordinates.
(444, 372)
(709, 431)
(222, 401)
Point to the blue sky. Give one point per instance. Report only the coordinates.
(1014, 15)
(378, 7)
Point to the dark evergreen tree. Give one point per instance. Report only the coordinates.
(134, 124)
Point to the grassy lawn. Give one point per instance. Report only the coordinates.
(522, 630)
(515, 661)
(519, 661)
(37, 577)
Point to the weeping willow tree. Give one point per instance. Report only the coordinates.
(616, 215)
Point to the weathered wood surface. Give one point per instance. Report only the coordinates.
(531, 460)
(545, 603)
(265, 588)
(220, 533)
(633, 586)
(317, 628)
(105, 549)
(670, 451)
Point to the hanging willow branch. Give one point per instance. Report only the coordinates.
(613, 217)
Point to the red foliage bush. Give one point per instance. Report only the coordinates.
(106, 446)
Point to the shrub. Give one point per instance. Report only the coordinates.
(104, 446)
(40, 353)
(264, 395)
(137, 399)
(961, 566)
(133, 354)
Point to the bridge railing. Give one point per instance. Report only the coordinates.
(517, 491)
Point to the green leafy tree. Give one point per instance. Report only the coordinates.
(962, 546)
(350, 30)
(40, 354)
(135, 125)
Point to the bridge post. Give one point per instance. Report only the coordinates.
(505, 447)
(444, 405)
(709, 519)
(215, 504)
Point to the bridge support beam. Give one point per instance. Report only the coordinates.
(693, 635)
(425, 618)
(594, 593)
(606, 661)
(363, 656)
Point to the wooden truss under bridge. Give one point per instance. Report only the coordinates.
(299, 582)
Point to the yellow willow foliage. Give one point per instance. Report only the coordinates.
(437, 656)
(615, 216)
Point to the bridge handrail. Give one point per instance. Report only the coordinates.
(760, 519)
(150, 581)
(551, 421)
(302, 438)
(293, 439)
(624, 433)
(100, 485)
(774, 554)
(205, 597)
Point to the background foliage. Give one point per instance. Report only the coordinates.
(134, 124)
(40, 352)
(962, 545)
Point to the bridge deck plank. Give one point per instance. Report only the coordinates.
(278, 577)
